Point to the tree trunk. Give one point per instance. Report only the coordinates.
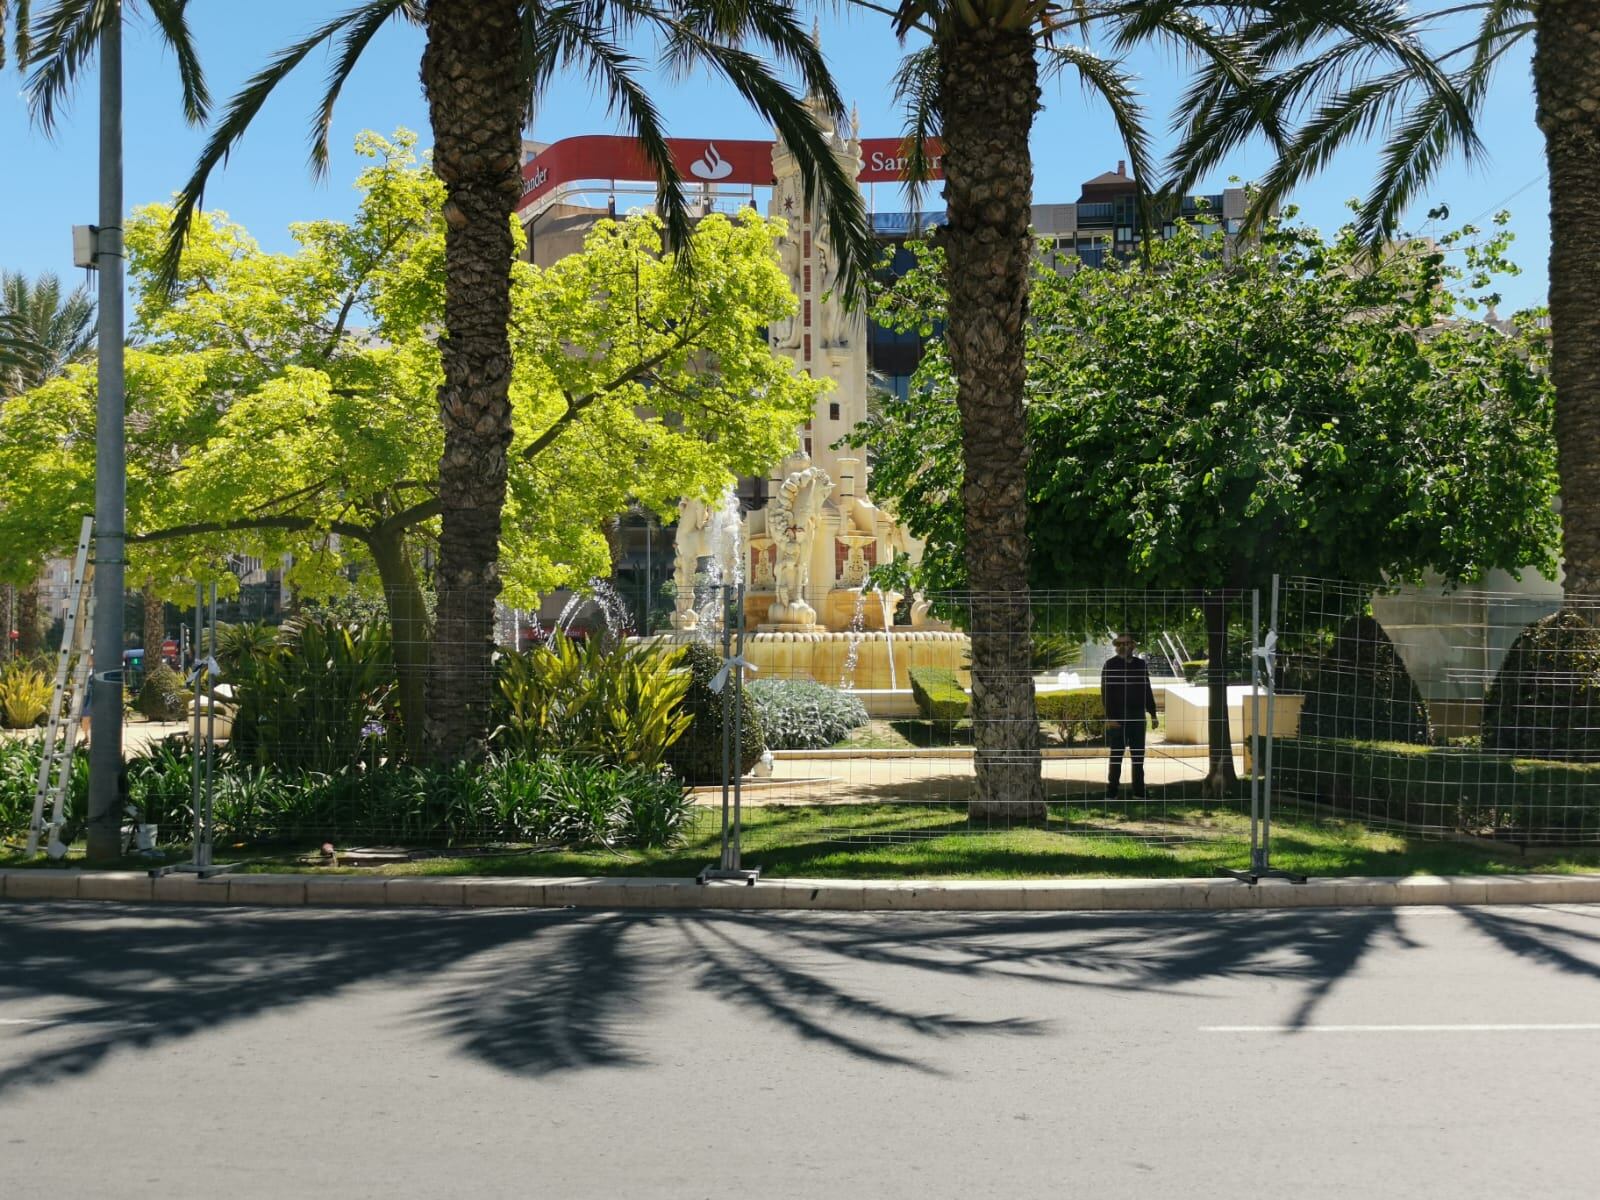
(476, 103)
(990, 87)
(30, 629)
(1221, 778)
(1566, 77)
(155, 625)
(409, 635)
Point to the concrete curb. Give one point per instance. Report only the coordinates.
(1038, 895)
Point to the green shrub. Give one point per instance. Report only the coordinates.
(801, 714)
(1359, 689)
(939, 694)
(163, 696)
(1078, 714)
(19, 776)
(1194, 670)
(697, 756)
(1443, 788)
(25, 692)
(560, 800)
(322, 698)
(237, 644)
(161, 788)
(621, 703)
(1545, 701)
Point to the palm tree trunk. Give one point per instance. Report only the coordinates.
(990, 94)
(1566, 77)
(476, 104)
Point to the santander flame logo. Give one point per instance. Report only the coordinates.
(711, 165)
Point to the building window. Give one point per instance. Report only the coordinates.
(808, 277)
(808, 312)
(833, 411)
(806, 242)
(808, 347)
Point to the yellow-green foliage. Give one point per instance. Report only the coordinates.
(1077, 713)
(938, 693)
(24, 695)
(623, 704)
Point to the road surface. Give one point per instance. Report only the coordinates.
(164, 1051)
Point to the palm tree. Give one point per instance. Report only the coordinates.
(484, 64)
(42, 329)
(1566, 84)
(978, 82)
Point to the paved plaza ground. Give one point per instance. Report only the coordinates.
(149, 1052)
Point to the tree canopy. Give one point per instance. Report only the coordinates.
(277, 399)
(1213, 416)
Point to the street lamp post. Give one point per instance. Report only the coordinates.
(105, 715)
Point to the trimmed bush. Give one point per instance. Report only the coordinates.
(697, 755)
(801, 714)
(1444, 788)
(939, 694)
(1078, 714)
(1545, 702)
(1194, 670)
(1360, 689)
(163, 696)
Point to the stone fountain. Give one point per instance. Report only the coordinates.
(805, 557)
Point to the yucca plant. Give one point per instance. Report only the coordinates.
(25, 692)
(321, 699)
(621, 703)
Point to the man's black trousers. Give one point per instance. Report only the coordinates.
(1129, 736)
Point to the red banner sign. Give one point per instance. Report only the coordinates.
(709, 160)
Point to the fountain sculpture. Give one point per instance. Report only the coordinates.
(806, 556)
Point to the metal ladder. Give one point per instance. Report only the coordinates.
(61, 733)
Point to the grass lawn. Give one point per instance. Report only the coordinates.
(881, 841)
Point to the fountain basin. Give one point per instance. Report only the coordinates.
(822, 656)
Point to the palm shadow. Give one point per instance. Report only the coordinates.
(540, 993)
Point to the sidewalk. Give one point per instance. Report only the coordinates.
(1043, 895)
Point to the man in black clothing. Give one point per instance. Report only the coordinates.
(1127, 696)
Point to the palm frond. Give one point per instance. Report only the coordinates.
(821, 172)
(1107, 79)
(357, 36)
(63, 40)
(173, 22)
(241, 110)
(916, 85)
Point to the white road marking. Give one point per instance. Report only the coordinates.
(1588, 1027)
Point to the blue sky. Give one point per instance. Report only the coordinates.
(51, 184)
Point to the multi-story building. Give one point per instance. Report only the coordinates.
(571, 185)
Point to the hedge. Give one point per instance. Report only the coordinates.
(1545, 701)
(1077, 713)
(1359, 690)
(939, 694)
(1443, 788)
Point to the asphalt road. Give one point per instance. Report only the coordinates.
(179, 1051)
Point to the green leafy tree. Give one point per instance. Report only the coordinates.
(261, 422)
(978, 81)
(1203, 421)
(484, 65)
(1421, 133)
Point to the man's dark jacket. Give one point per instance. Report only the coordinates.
(1125, 689)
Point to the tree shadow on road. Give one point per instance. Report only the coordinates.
(537, 993)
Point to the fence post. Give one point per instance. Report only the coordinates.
(1261, 786)
(730, 865)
